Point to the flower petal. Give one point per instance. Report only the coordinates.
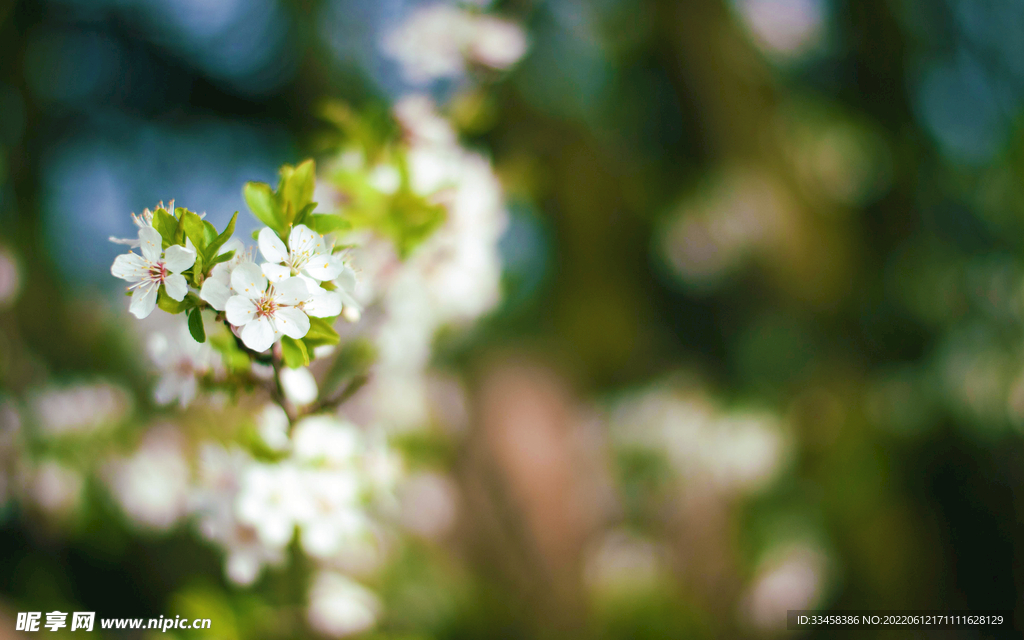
(347, 279)
(178, 258)
(291, 322)
(215, 292)
(275, 272)
(290, 291)
(239, 310)
(313, 286)
(130, 267)
(247, 280)
(271, 246)
(323, 305)
(151, 243)
(143, 301)
(258, 335)
(176, 287)
(234, 244)
(303, 241)
(324, 267)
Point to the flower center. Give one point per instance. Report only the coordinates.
(265, 307)
(157, 271)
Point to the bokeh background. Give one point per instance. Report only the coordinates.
(761, 344)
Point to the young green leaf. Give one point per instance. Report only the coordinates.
(170, 305)
(192, 225)
(320, 333)
(209, 233)
(324, 223)
(221, 257)
(296, 187)
(262, 203)
(165, 224)
(303, 216)
(294, 352)
(229, 230)
(195, 325)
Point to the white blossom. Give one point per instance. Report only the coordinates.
(181, 360)
(340, 607)
(151, 485)
(141, 221)
(273, 500)
(346, 284)
(153, 269)
(436, 41)
(327, 440)
(217, 288)
(263, 311)
(213, 501)
(299, 386)
(336, 519)
(272, 425)
(307, 256)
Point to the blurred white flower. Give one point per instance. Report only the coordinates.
(262, 312)
(272, 425)
(793, 579)
(785, 27)
(152, 269)
(213, 502)
(299, 386)
(326, 440)
(272, 499)
(437, 40)
(81, 408)
(217, 288)
(346, 284)
(336, 519)
(730, 452)
(421, 122)
(430, 43)
(497, 43)
(339, 607)
(54, 488)
(152, 485)
(181, 361)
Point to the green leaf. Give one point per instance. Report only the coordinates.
(304, 215)
(261, 202)
(221, 257)
(209, 233)
(296, 188)
(165, 224)
(179, 231)
(320, 333)
(215, 246)
(195, 325)
(294, 352)
(194, 230)
(324, 223)
(170, 305)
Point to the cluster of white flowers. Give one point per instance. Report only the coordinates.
(327, 488)
(327, 480)
(731, 452)
(437, 41)
(262, 302)
(453, 277)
